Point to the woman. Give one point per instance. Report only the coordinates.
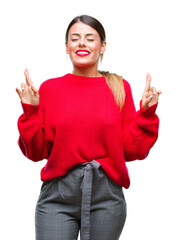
(86, 126)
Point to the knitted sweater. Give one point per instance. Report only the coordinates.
(77, 120)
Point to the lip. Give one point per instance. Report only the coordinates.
(82, 52)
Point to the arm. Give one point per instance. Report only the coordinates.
(30, 124)
(139, 129)
(32, 133)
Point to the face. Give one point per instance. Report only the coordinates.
(84, 45)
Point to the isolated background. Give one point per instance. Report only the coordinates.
(141, 37)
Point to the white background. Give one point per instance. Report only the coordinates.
(141, 37)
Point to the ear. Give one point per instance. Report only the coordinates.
(66, 45)
(103, 48)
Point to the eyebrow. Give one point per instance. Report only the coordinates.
(88, 34)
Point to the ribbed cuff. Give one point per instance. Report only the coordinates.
(150, 111)
(29, 109)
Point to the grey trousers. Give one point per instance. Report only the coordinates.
(84, 199)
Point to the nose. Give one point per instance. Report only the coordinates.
(82, 42)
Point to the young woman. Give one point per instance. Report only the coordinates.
(86, 126)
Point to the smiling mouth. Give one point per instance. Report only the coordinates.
(82, 53)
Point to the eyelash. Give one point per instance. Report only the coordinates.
(74, 40)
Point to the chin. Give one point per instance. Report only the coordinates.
(84, 64)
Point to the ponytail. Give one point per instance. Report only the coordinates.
(116, 84)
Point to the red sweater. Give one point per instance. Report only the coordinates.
(77, 120)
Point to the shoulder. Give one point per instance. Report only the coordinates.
(52, 83)
(127, 86)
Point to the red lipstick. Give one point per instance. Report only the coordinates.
(82, 52)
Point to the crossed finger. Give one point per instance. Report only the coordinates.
(148, 82)
(150, 95)
(29, 82)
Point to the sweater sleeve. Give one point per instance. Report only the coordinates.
(140, 129)
(32, 132)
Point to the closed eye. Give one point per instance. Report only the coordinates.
(74, 39)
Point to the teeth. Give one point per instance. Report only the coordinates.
(82, 52)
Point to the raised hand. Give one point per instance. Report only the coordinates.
(150, 94)
(28, 94)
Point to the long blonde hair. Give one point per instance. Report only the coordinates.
(116, 85)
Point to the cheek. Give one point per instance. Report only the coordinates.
(96, 51)
(71, 47)
(96, 48)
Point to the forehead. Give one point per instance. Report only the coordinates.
(82, 28)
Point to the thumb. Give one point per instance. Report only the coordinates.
(146, 101)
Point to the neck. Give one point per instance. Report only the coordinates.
(86, 71)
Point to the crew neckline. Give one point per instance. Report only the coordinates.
(84, 77)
